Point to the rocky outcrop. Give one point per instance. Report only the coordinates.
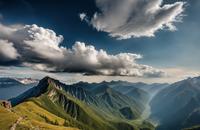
(6, 104)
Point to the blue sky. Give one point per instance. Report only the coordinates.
(168, 50)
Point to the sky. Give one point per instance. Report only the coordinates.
(95, 40)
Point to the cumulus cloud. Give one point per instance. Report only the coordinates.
(124, 19)
(39, 48)
(7, 51)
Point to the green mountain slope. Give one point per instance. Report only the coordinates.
(80, 108)
(29, 115)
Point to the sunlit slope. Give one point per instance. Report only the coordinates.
(29, 117)
(7, 118)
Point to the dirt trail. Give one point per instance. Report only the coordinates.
(13, 127)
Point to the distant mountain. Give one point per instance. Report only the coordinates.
(126, 87)
(11, 87)
(115, 100)
(138, 95)
(154, 88)
(27, 80)
(98, 107)
(141, 92)
(177, 106)
(132, 91)
(9, 82)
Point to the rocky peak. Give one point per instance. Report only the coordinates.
(45, 82)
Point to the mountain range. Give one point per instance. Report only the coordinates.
(115, 105)
(99, 107)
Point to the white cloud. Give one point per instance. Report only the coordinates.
(33, 42)
(40, 48)
(82, 16)
(124, 19)
(7, 51)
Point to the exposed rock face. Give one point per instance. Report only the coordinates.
(6, 104)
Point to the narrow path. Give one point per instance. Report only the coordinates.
(13, 127)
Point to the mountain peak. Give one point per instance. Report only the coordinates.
(46, 82)
(46, 79)
(36, 91)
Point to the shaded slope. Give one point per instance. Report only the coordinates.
(173, 105)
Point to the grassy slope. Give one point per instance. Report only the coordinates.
(31, 114)
(7, 118)
(87, 117)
